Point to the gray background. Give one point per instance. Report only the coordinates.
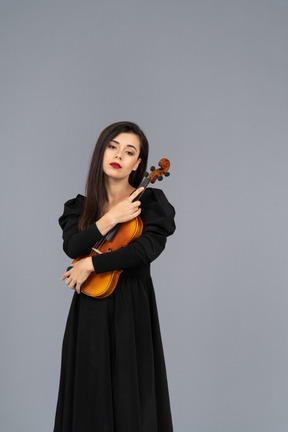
(207, 81)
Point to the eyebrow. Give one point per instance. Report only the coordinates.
(128, 145)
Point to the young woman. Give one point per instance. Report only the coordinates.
(113, 376)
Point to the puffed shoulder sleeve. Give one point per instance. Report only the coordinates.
(76, 242)
(157, 215)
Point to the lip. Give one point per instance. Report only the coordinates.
(115, 165)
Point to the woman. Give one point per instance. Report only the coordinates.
(113, 375)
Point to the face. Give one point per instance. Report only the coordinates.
(121, 155)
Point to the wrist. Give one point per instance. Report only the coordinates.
(89, 264)
(105, 224)
(109, 219)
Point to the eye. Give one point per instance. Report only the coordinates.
(130, 153)
(111, 146)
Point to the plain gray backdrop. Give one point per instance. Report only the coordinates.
(207, 81)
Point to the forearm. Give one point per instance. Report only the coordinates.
(144, 250)
(80, 242)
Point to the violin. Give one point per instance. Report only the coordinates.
(101, 285)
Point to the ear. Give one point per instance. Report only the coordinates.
(136, 164)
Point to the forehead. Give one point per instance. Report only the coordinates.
(126, 139)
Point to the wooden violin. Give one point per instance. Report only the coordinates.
(101, 285)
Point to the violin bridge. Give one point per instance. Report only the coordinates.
(96, 250)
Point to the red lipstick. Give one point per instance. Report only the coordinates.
(115, 165)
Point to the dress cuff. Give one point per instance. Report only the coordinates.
(100, 263)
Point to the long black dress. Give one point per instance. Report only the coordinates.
(113, 375)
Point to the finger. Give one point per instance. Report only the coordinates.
(67, 273)
(136, 204)
(72, 285)
(135, 208)
(70, 282)
(64, 276)
(67, 285)
(136, 192)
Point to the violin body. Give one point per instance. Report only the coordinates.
(101, 285)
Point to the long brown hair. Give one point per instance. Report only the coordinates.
(96, 194)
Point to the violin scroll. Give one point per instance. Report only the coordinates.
(157, 174)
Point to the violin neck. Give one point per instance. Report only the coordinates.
(145, 183)
(109, 236)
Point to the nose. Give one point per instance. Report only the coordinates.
(118, 155)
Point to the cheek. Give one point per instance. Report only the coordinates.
(104, 160)
(133, 162)
(135, 165)
(105, 155)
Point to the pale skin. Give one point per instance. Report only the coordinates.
(124, 149)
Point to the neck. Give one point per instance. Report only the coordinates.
(117, 189)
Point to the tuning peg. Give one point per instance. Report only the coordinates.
(166, 174)
(146, 174)
(152, 168)
(160, 178)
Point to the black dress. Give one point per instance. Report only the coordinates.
(113, 375)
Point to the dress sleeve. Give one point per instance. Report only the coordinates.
(158, 223)
(76, 242)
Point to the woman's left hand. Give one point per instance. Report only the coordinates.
(78, 274)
